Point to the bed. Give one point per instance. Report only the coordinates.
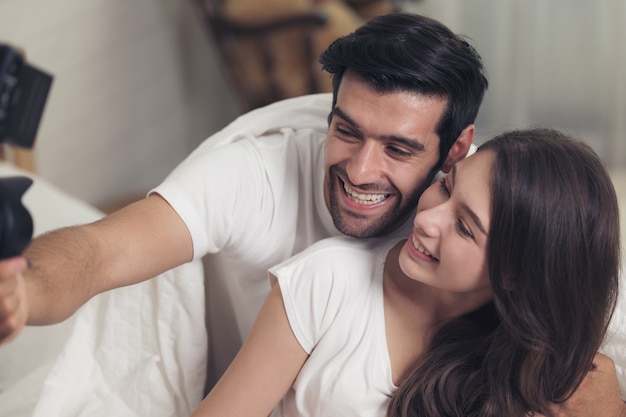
(135, 351)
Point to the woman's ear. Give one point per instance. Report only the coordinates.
(459, 150)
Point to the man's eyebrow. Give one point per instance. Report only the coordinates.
(414, 144)
(466, 208)
(338, 112)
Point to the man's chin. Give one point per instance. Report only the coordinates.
(362, 228)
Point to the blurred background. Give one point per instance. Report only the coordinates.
(138, 84)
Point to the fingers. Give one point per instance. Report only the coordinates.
(12, 266)
(13, 303)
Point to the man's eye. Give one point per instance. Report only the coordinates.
(399, 152)
(343, 131)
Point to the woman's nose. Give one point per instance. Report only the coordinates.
(429, 221)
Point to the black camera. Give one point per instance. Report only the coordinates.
(23, 94)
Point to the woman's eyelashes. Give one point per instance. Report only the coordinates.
(463, 230)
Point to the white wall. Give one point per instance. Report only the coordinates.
(559, 63)
(136, 88)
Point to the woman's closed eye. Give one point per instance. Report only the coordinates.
(463, 230)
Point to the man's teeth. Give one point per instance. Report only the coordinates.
(365, 199)
(419, 247)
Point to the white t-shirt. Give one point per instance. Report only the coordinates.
(252, 196)
(253, 193)
(333, 296)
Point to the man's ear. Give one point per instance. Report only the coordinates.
(459, 150)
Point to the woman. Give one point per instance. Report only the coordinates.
(495, 305)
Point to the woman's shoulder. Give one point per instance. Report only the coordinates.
(341, 248)
(337, 256)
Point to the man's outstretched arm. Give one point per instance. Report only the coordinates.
(69, 266)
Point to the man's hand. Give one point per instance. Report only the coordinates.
(13, 302)
(597, 396)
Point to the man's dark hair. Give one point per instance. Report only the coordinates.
(409, 52)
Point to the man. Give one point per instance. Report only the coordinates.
(270, 184)
(406, 94)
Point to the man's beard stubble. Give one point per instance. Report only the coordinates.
(348, 222)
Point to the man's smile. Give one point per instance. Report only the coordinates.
(362, 198)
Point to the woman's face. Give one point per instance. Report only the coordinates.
(447, 249)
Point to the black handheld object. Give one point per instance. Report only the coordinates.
(23, 93)
(16, 224)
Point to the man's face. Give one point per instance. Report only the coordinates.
(380, 155)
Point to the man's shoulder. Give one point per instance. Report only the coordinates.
(308, 112)
(319, 104)
(301, 121)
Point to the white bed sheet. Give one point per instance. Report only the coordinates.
(135, 351)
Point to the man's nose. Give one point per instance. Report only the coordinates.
(365, 165)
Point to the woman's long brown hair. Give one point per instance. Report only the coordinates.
(554, 257)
